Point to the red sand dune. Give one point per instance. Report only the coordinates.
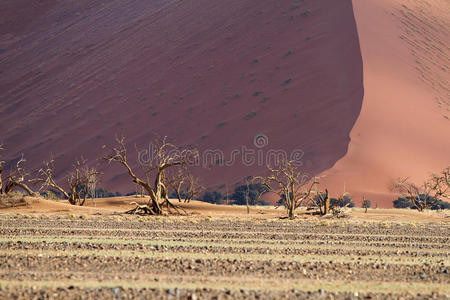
(209, 73)
(403, 128)
(217, 73)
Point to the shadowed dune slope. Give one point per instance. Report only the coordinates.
(404, 127)
(209, 73)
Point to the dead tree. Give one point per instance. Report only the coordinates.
(16, 179)
(184, 184)
(194, 188)
(428, 193)
(293, 186)
(163, 156)
(365, 204)
(176, 181)
(81, 181)
(327, 205)
(441, 183)
(322, 202)
(338, 206)
(421, 196)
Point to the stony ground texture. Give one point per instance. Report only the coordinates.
(131, 257)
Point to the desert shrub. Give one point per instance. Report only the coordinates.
(289, 53)
(51, 195)
(12, 199)
(282, 200)
(346, 201)
(286, 82)
(255, 190)
(174, 195)
(440, 204)
(103, 193)
(366, 204)
(402, 202)
(250, 115)
(213, 197)
(437, 204)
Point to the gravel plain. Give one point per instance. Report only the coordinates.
(128, 257)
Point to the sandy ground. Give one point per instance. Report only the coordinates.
(114, 206)
(104, 256)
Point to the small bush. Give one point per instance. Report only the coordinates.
(213, 197)
(366, 204)
(254, 192)
(346, 201)
(286, 82)
(221, 124)
(289, 53)
(402, 202)
(437, 204)
(250, 115)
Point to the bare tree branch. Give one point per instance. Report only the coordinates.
(291, 184)
(81, 181)
(16, 178)
(164, 156)
(421, 196)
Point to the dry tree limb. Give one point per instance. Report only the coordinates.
(46, 178)
(176, 180)
(81, 181)
(194, 188)
(164, 156)
(16, 179)
(291, 184)
(427, 194)
(420, 196)
(139, 209)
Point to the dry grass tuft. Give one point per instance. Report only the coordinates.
(13, 199)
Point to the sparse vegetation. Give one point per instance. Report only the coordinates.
(288, 182)
(81, 181)
(164, 156)
(250, 115)
(366, 204)
(426, 195)
(286, 82)
(16, 178)
(221, 124)
(213, 197)
(327, 205)
(249, 192)
(289, 53)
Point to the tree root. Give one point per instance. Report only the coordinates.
(177, 209)
(142, 210)
(145, 210)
